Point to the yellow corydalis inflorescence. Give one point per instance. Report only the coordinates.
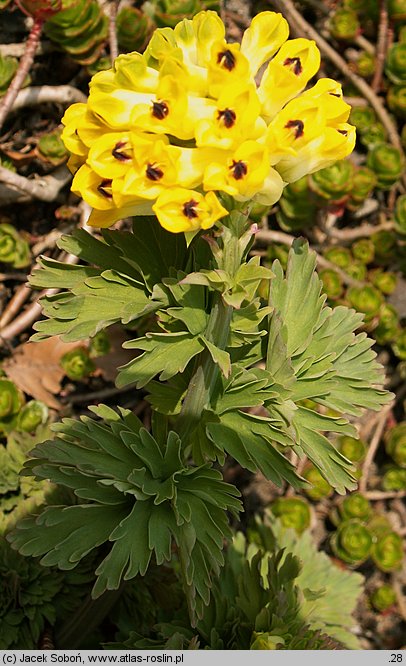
(169, 131)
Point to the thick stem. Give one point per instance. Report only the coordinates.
(23, 69)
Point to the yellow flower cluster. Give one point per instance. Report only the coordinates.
(165, 132)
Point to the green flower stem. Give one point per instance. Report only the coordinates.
(218, 329)
(206, 371)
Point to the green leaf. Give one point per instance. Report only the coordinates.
(91, 305)
(219, 356)
(164, 353)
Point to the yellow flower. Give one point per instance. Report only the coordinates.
(187, 210)
(188, 117)
(287, 74)
(153, 170)
(233, 119)
(331, 144)
(227, 66)
(241, 175)
(69, 134)
(266, 34)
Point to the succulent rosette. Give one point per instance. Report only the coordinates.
(395, 66)
(396, 444)
(352, 542)
(332, 283)
(388, 325)
(318, 486)
(11, 401)
(77, 364)
(352, 448)
(383, 597)
(133, 29)
(387, 551)
(394, 478)
(344, 24)
(168, 132)
(293, 512)
(400, 214)
(396, 99)
(353, 506)
(364, 250)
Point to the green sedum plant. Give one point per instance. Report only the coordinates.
(77, 364)
(134, 28)
(396, 444)
(352, 542)
(14, 249)
(344, 24)
(383, 597)
(394, 478)
(387, 162)
(11, 402)
(292, 512)
(387, 551)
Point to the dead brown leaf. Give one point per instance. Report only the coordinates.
(116, 357)
(35, 368)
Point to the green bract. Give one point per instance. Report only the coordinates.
(387, 162)
(344, 24)
(352, 542)
(395, 66)
(292, 512)
(11, 401)
(387, 552)
(14, 249)
(396, 444)
(133, 29)
(383, 597)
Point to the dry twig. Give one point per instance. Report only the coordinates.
(359, 232)
(373, 446)
(45, 189)
(23, 68)
(382, 45)
(112, 31)
(48, 94)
